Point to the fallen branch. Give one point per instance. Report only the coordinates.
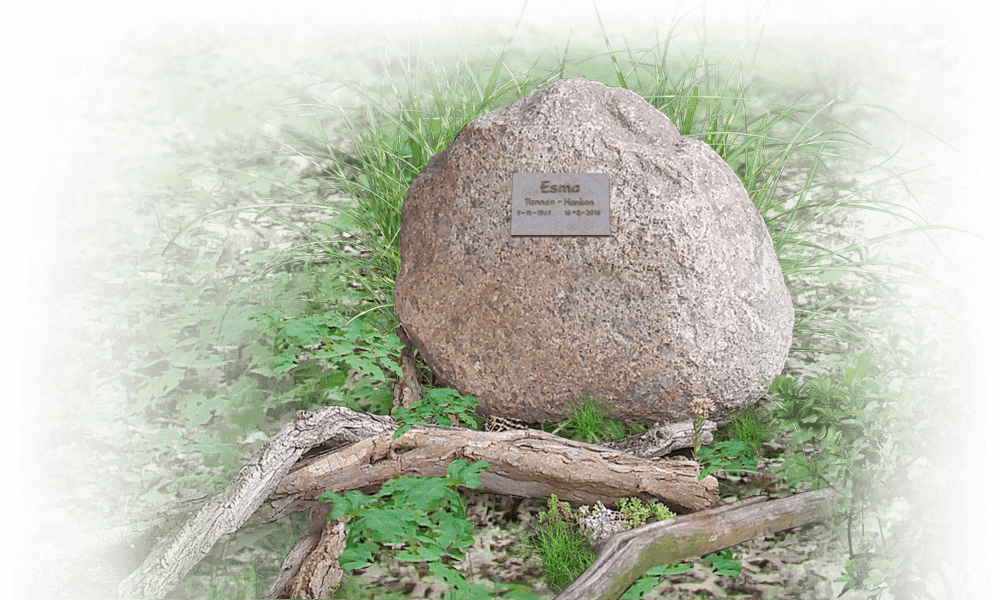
(662, 438)
(524, 463)
(657, 441)
(312, 567)
(622, 559)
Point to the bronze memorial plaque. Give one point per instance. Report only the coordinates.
(560, 204)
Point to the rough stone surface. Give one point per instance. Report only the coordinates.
(685, 299)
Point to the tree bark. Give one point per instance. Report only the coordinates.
(407, 388)
(350, 450)
(312, 567)
(622, 559)
(657, 441)
(662, 439)
(525, 463)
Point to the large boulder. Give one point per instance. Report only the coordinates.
(685, 299)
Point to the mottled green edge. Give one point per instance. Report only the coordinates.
(25, 39)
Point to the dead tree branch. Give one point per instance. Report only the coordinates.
(312, 567)
(662, 439)
(623, 558)
(525, 463)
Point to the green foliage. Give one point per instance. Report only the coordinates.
(844, 423)
(590, 424)
(565, 551)
(729, 456)
(436, 405)
(357, 590)
(652, 577)
(425, 513)
(724, 564)
(753, 426)
(661, 512)
(914, 523)
(589, 421)
(343, 347)
(557, 511)
(859, 434)
(636, 514)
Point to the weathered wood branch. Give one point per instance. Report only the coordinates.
(659, 440)
(662, 439)
(525, 463)
(312, 567)
(407, 388)
(623, 558)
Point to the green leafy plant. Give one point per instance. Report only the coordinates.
(437, 405)
(723, 563)
(425, 513)
(589, 421)
(858, 434)
(565, 550)
(652, 578)
(636, 513)
(837, 424)
(340, 346)
(728, 456)
(335, 341)
(511, 591)
(753, 426)
(912, 522)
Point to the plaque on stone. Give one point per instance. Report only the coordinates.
(560, 204)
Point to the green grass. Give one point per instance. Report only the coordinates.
(753, 426)
(590, 424)
(565, 553)
(562, 546)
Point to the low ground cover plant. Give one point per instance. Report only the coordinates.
(590, 423)
(438, 407)
(425, 514)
